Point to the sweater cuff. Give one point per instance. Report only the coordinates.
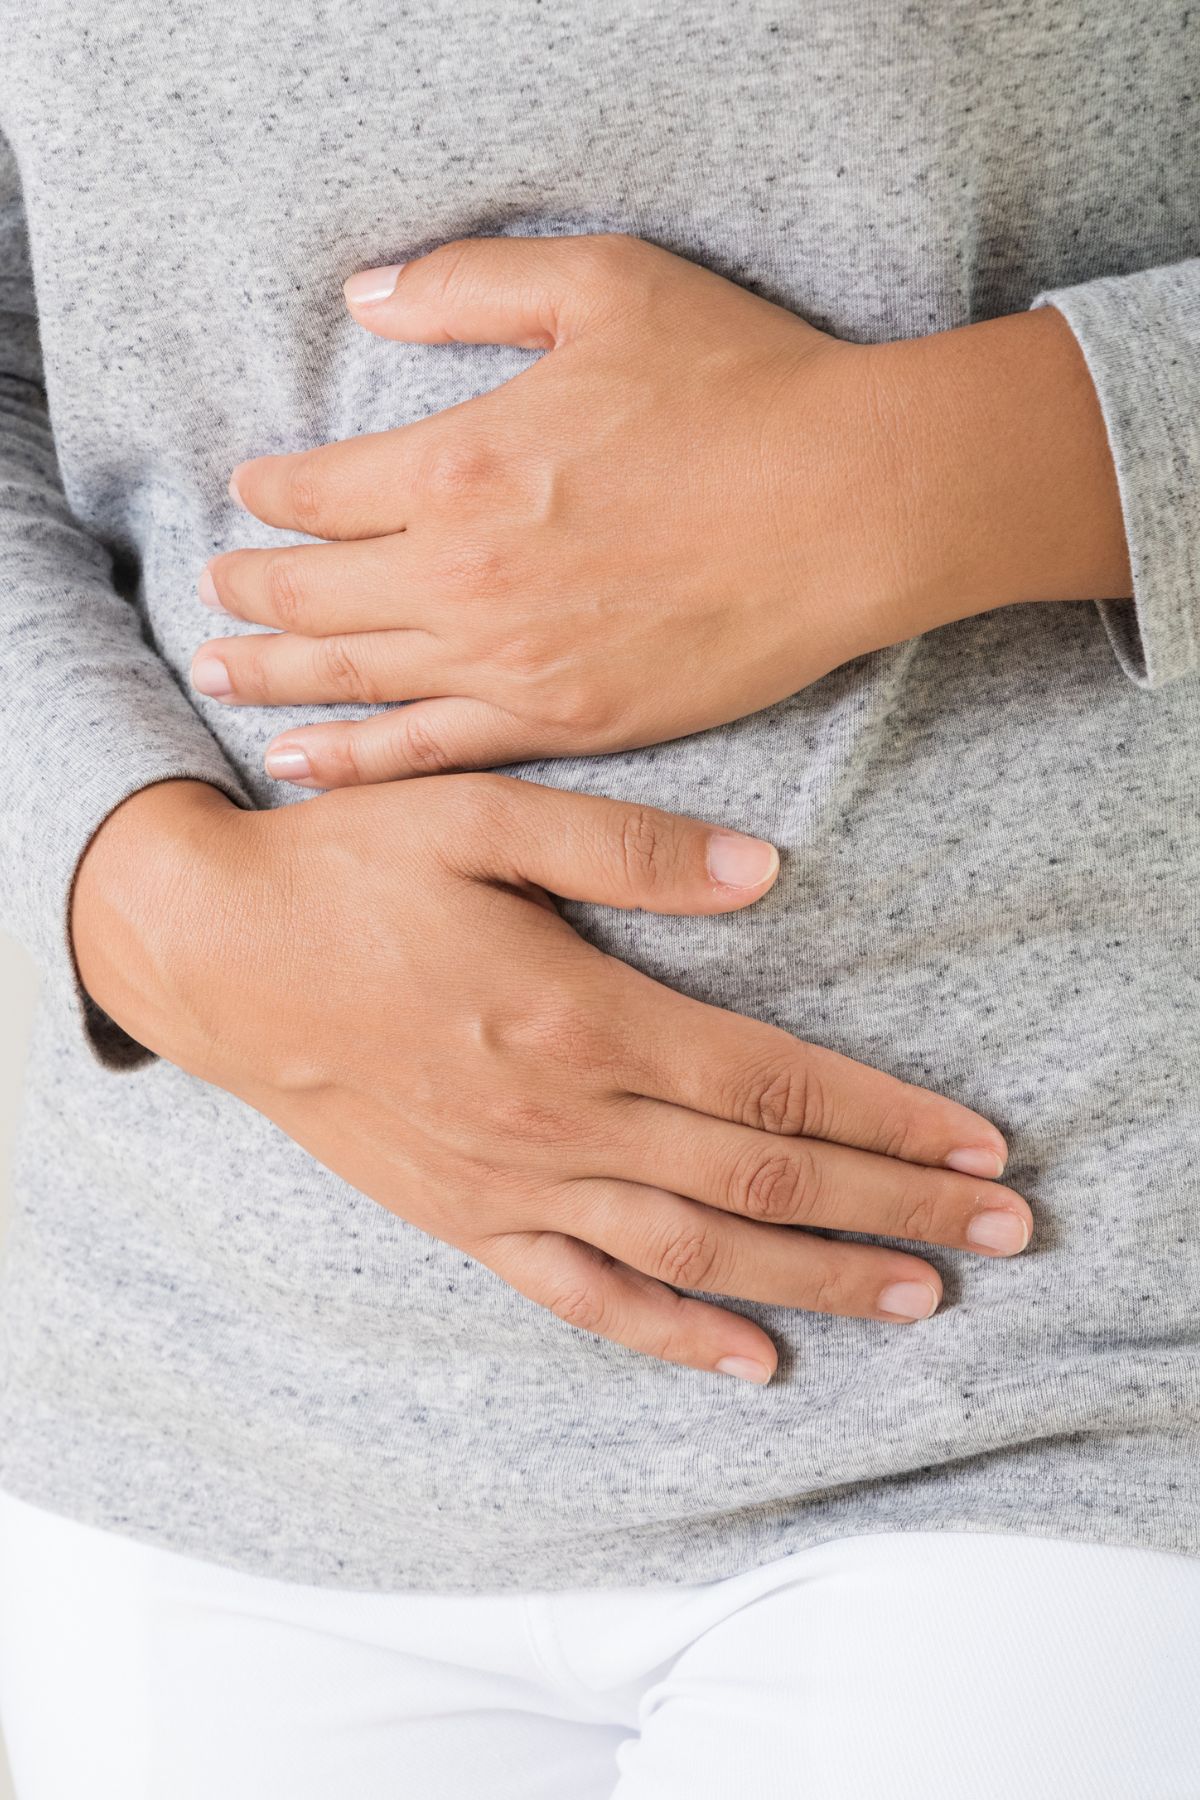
(1140, 337)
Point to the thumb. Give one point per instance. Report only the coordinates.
(588, 847)
(532, 292)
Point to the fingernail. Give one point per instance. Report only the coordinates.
(976, 1162)
(740, 862)
(290, 764)
(233, 489)
(745, 1368)
(1003, 1231)
(371, 284)
(211, 677)
(909, 1299)
(207, 589)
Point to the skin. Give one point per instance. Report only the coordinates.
(595, 1138)
(514, 566)
(690, 480)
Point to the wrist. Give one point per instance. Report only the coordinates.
(998, 459)
(145, 895)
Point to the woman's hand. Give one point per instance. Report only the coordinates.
(692, 506)
(383, 973)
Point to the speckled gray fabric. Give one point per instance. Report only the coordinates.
(990, 835)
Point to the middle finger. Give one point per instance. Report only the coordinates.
(806, 1181)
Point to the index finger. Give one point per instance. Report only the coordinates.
(737, 1068)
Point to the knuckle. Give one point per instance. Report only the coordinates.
(615, 252)
(918, 1217)
(641, 846)
(781, 1099)
(448, 270)
(339, 756)
(479, 567)
(354, 761)
(281, 586)
(456, 471)
(419, 746)
(613, 268)
(304, 494)
(472, 566)
(248, 669)
(776, 1188)
(899, 1132)
(813, 1099)
(831, 1292)
(338, 671)
(690, 1257)
(581, 1306)
(568, 701)
(555, 1030)
(529, 1119)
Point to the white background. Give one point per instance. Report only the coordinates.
(16, 1005)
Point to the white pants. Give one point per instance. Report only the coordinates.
(950, 1666)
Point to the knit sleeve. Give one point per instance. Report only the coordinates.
(1140, 336)
(89, 713)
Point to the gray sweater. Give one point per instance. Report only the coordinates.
(990, 834)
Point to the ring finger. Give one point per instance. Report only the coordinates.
(694, 1247)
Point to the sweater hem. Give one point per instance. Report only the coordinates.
(284, 1538)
